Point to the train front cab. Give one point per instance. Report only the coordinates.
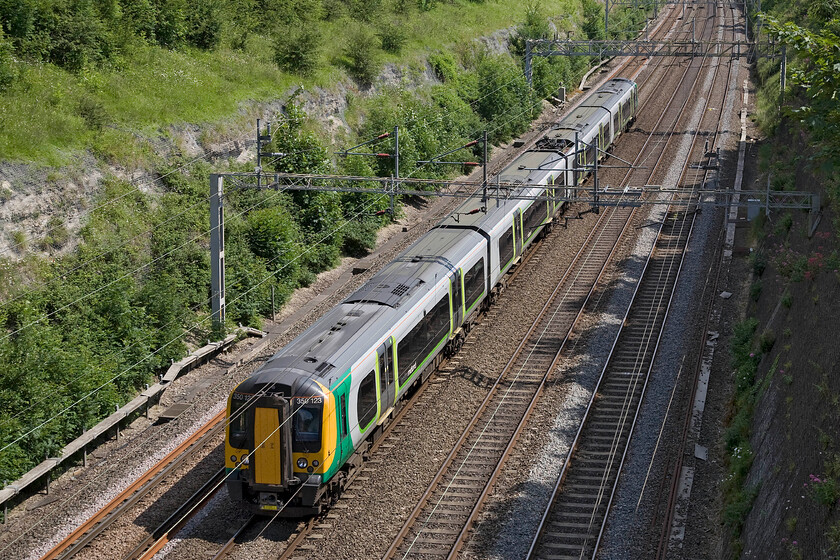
(278, 449)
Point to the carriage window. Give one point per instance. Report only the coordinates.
(474, 283)
(366, 400)
(534, 216)
(506, 248)
(306, 427)
(419, 343)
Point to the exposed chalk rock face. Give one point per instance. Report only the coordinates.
(31, 196)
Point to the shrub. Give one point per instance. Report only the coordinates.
(362, 54)
(766, 341)
(75, 36)
(297, 49)
(359, 238)
(755, 291)
(171, 24)
(508, 104)
(823, 490)
(8, 72)
(393, 36)
(787, 299)
(593, 19)
(139, 17)
(784, 225)
(758, 262)
(535, 26)
(93, 112)
(365, 10)
(736, 511)
(444, 66)
(203, 25)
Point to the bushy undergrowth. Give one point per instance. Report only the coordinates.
(96, 325)
(739, 497)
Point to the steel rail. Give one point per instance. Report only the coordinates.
(229, 545)
(561, 481)
(662, 547)
(408, 406)
(160, 536)
(101, 520)
(503, 385)
(476, 508)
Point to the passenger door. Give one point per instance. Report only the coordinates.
(387, 379)
(457, 299)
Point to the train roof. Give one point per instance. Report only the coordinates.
(337, 340)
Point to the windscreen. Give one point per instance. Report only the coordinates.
(306, 425)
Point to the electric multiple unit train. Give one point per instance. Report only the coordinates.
(303, 422)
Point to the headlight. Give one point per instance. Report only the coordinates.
(301, 463)
(233, 458)
(245, 459)
(315, 462)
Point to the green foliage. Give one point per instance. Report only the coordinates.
(365, 10)
(535, 26)
(93, 112)
(119, 307)
(824, 490)
(755, 291)
(203, 24)
(787, 299)
(393, 36)
(758, 262)
(362, 54)
(8, 72)
(171, 22)
(444, 66)
(815, 77)
(507, 103)
(140, 17)
(766, 341)
(593, 19)
(736, 510)
(297, 49)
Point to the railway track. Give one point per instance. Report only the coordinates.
(669, 496)
(83, 535)
(573, 524)
(440, 521)
(439, 524)
(510, 392)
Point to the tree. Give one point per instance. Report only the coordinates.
(815, 76)
(203, 24)
(297, 49)
(7, 68)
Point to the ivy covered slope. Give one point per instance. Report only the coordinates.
(782, 493)
(91, 313)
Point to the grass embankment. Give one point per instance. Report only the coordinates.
(49, 114)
